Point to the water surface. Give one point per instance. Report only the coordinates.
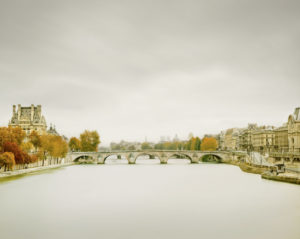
(148, 200)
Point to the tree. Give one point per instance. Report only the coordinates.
(16, 150)
(59, 147)
(27, 146)
(145, 145)
(11, 134)
(193, 143)
(35, 139)
(7, 160)
(131, 147)
(54, 146)
(74, 144)
(198, 143)
(89, 141)
(209, 144)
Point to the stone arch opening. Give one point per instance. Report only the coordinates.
(147, 158)
(179, 157)
(115, 159)
(213, 158)
(84, 159)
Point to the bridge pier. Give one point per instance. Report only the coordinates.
(163, 160)
(100, 160)
(131, 160)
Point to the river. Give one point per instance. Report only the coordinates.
(148, 201)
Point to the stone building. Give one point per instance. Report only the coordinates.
(231, 139)
(29, 119)
(281, 139)
(245, 137)
(263, 139)
(294, 131)
(52, 130)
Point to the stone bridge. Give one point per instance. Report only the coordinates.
(162, 155)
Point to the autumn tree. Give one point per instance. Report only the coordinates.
(53, 146)
(59, 148)
(35, 139)
(45, 148)
(7, 160)
(89, 141)
(11, 134)
(27, 146)
(74, 144)
(209, 144)
(16, 150)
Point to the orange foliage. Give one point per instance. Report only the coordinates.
(209, 144)
(7, 160)
(11, 134)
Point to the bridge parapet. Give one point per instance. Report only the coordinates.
(162, 155)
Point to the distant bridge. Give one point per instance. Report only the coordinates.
(162, 155)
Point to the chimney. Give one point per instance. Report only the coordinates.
(39, 111)
(19, 111)
(297, 113)
(32, 112)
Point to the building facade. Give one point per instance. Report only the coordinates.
(281, 139)
(294, 131)
(265, 139)
(231, 139)
(29, 119)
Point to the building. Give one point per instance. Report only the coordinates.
(231, 139)
(263, 139)
(245, 137)
(29, 119)
(52, 130)
(294, 131)
(281, 139)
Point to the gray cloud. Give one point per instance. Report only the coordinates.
(148, 68)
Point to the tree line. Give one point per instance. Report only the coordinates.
(87, 142)
(17, 148)
(194, 143)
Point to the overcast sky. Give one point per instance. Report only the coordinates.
(134, 69)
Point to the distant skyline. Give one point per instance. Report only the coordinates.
(135, 69)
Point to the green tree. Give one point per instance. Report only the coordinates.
(131, 147)
(198, 143)
(89, 141)
(145, 145)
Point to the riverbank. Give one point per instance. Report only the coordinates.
(31, 170)
(282, 177)
(288, 177)
(252, 168)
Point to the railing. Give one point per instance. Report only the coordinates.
(160, 150)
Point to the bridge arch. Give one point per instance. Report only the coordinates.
(113, 154)
(211, 157)
(180, 156)
(82, 158)
(150, 154)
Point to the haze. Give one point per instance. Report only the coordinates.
(136, 69)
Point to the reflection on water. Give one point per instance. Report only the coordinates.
(177, 200)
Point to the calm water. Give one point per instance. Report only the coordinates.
(152, 201)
